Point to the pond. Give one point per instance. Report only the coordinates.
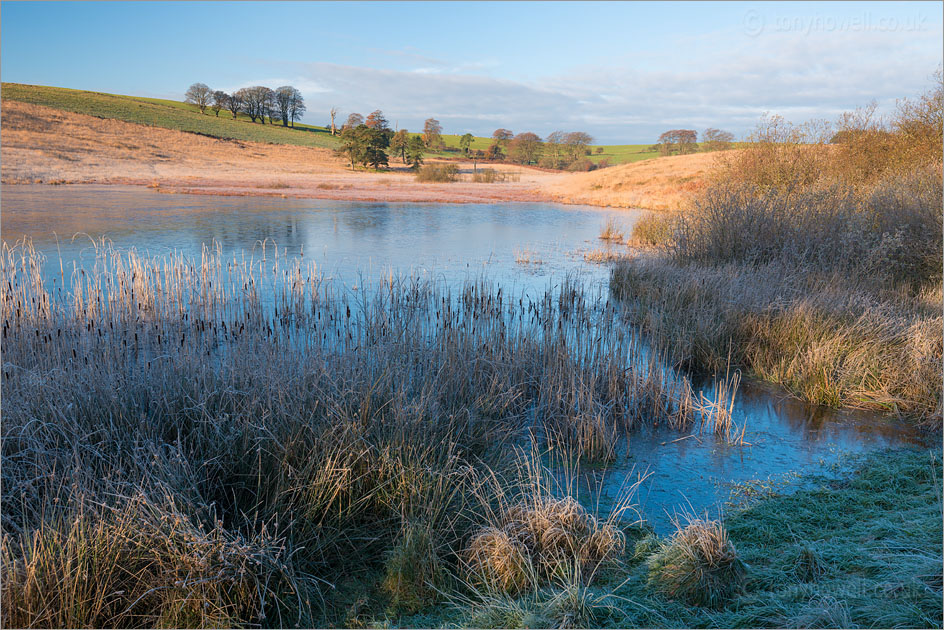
(526, 248)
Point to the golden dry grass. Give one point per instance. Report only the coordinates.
(662, 184)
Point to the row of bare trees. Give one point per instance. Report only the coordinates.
(680, 141)
(258, 102)
(561, 149)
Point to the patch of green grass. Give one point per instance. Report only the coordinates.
(167, 114)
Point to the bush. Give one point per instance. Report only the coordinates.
(442, 173)
(581, 165)
(894, 233)
(698, 565)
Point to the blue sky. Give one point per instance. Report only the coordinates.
(624, 72)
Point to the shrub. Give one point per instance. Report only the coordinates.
(698, 565)
(441, 173)
(893, 234)
(581, 165)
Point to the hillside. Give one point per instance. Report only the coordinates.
(42, 145)
(663, 184)
(166, 114)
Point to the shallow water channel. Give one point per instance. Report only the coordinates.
(526, 248)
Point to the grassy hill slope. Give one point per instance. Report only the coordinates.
(166, 114)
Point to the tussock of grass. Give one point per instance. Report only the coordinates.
(653, 229)
(414, 570)
(698, 565)
(611, 231)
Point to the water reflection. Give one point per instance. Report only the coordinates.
(346, 239)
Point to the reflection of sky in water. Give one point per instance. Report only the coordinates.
(346, 239)
(455, 242)
(785, 436)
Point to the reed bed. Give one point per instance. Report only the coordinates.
(813, 259)
(208, 441)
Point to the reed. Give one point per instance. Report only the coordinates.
(212, 439)
(611, 231)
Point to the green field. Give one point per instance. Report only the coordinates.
(167, 114)
(613, 153)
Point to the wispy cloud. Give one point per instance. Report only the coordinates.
(721, 83)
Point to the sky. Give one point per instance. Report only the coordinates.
(622, 71)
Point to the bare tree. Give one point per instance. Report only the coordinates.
(334, 112)
(219, 101)
(502, 136)
(377, 120)
(296, 107)
(289, 104)
(354, 120)
(554, 150)
(432, 133)
(678, 141)
(234, 103)
(577, 143)
(716, 139)
(267, 103)
(257, 102)
(283, 99)
(199, 94)
(525, 148)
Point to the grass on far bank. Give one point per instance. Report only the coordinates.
(167, 114)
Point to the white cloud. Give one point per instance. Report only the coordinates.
(719, 81)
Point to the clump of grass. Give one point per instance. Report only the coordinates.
(588, 435)
(414, 570)
(540, 539)
(653, 229)
(140, 564)
(806, 563)
(611, 232)
(437, 173)
(603, 256)
(698, 565)
(527, 257)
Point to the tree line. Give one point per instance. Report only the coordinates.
(682, 141)
(258, 102)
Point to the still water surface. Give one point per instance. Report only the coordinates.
(357, 243)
